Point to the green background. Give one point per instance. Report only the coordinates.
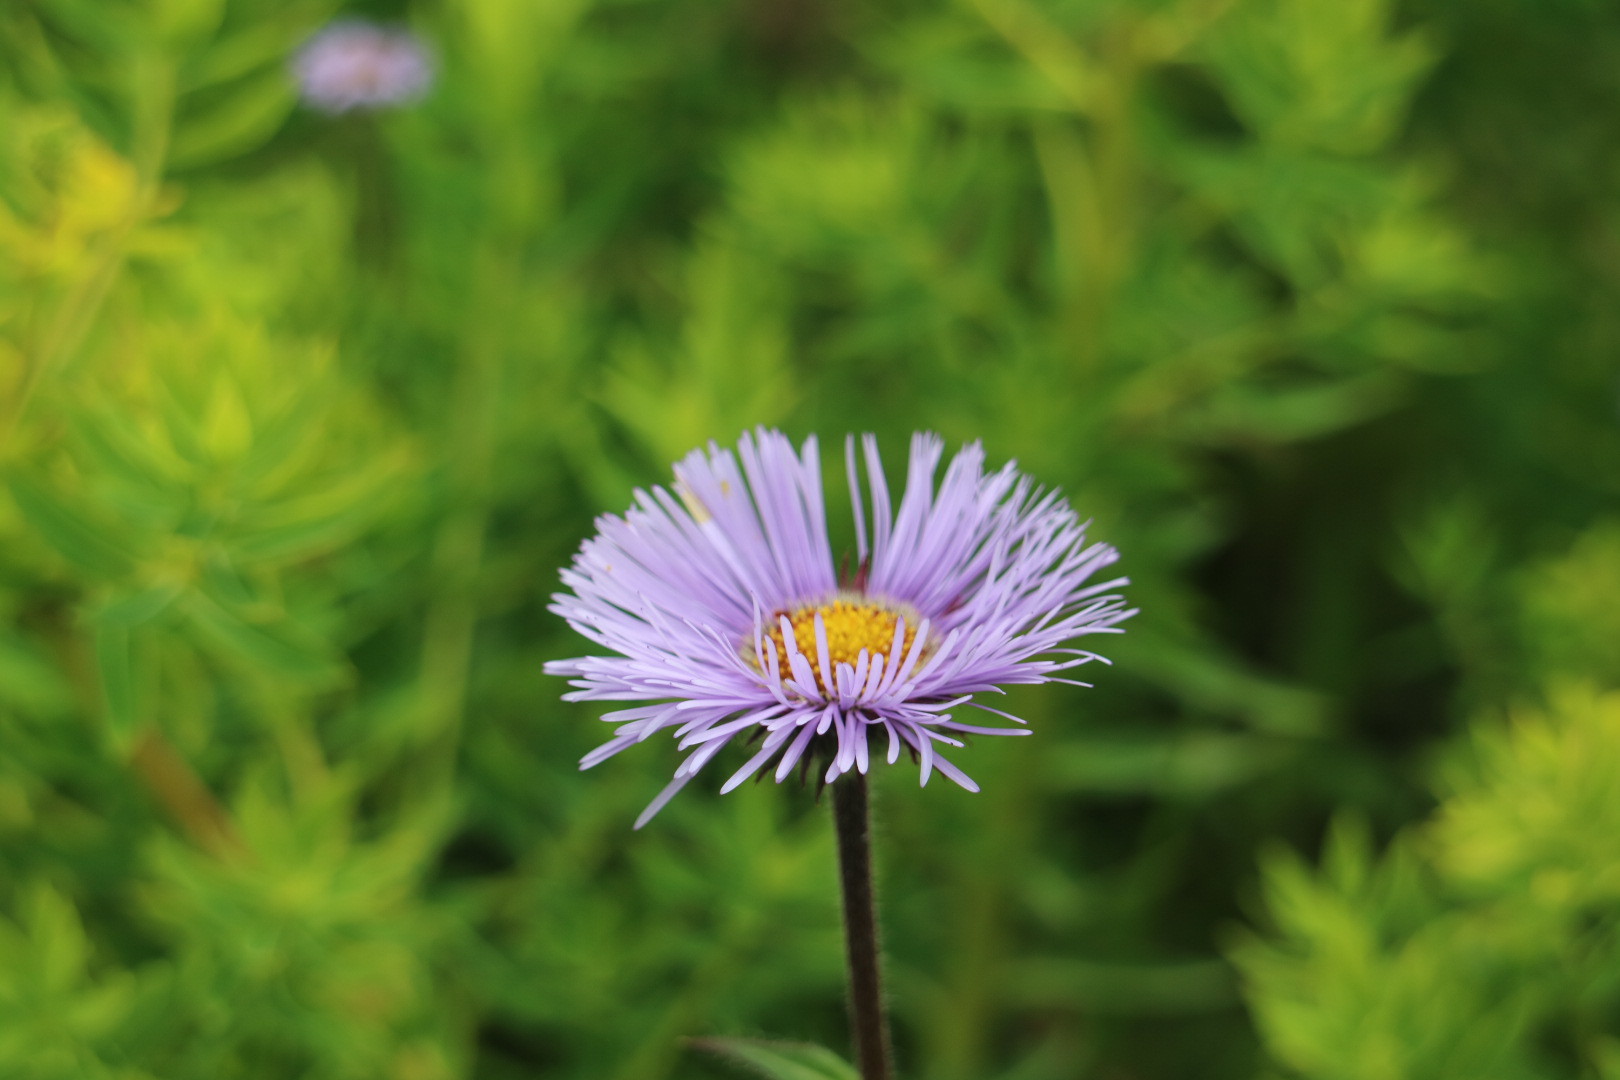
(1311, 306)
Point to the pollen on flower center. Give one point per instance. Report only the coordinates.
(853, 623)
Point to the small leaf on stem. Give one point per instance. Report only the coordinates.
(780, 1060)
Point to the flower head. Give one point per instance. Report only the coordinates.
(359, 65)
(729, 620)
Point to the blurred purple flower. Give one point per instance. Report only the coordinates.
(358, 65)
(726, 613)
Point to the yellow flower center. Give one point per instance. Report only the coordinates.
(853, 623)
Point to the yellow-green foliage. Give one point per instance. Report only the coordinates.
(1482, 943)
(1572, 608)
(1529, 811)
(1371, 976)
(63, 1016)
(297, 922)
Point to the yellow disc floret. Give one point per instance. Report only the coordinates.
(853, 621)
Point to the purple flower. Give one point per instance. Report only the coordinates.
(728, 618)
(358, 65)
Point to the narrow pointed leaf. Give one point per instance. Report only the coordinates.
(68, 532)
(780, 1060)
(115, 665)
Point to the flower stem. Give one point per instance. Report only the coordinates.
(173, 783)
(868, 1020)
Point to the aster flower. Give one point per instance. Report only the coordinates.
(358, 65)
(727, 617)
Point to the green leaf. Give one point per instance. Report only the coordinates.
(226, 584)
(114, 445)
(30, 681)
(279, 645)
(61, 948)
(142, 606)
(115, 665)
(781, 1060)
(100, 25)
(71, 534)
(297, 528)
(243, 121)
(186, 22)
(238, 55)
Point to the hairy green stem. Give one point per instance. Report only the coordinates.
(869, 1022)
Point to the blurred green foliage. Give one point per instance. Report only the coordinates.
(1483, 944)
(1309, 305)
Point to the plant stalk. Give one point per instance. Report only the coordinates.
(868, 1020)
(176, 786)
